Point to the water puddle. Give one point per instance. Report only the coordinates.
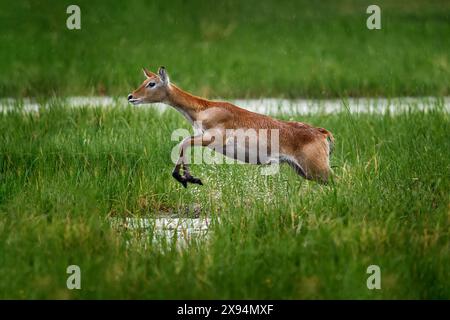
(163, 231)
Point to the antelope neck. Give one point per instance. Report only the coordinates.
(186, 103)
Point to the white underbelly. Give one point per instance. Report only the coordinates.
(248, 149)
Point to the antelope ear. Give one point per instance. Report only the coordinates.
(147, 73)
(163, 75)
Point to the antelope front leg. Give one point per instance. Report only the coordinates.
(200, 140)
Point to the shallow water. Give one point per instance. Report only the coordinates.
(158, 230)
(264, 105)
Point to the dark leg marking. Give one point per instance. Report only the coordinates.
(191, 179)
(188, 177)
(179, 178)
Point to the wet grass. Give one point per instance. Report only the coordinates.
(64, 172)
(227, 48)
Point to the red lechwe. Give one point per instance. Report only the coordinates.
(304, 147)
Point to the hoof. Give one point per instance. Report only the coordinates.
(193, 180)
(196, 181)
(180, 178)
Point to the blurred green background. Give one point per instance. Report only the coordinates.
(227, 48)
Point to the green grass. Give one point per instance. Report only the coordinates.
(227, 48)
(64, 172)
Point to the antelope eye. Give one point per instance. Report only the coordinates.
(151, 84)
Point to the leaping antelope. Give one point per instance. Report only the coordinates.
(305, 148)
